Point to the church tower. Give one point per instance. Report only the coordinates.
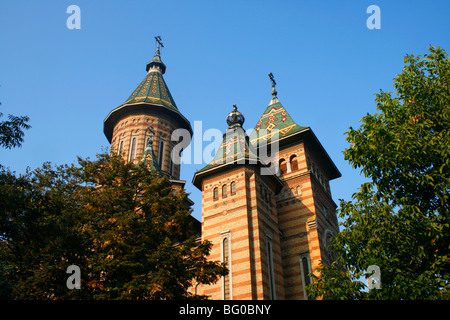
(148, 118)
(239, 218)
(305, 208)
(269, 218)
(272, 226)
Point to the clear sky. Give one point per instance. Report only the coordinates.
(326, 62)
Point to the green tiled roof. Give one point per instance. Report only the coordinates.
(152, 94)
(153, 89)
(234, 147)
(274, 118)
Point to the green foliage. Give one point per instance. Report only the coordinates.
(400, 220)
(122, 224)
(11, 134)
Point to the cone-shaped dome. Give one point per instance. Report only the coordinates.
(275, 119)
(152, 95)
(235, 144)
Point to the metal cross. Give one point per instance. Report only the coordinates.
(272, 79)
(160, 44)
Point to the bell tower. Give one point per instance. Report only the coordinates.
(147, 118)
(304, 206)
(239, 217)
(271, 227)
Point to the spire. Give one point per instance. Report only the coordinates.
(275, 119)
(153, 88)
(152, 94)
(156, 64)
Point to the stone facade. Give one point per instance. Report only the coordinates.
(134, 127)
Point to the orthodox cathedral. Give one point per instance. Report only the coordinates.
(269, 221)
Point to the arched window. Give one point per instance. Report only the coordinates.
(216, 194)
(328, 235)
(233, 188)
(226, 290)
(270, 269)
(305, 270)
(283, 166)
(224, 191)
(171, 165)
(294, 163)
(161, 154)
(299, 190)
(121, 147)
(305, 264)
(133, 149)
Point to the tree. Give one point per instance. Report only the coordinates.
(399, 220)
(121, 223)
(11, 134)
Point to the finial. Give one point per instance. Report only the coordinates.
(272, 79)
(235, 118)
(159, 41)
(156, 64)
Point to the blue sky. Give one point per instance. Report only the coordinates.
(326, 62)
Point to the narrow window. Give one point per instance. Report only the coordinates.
(233, 188)
(226, 280)
(120, 147)
(294, 163)
(299, 190)
(133, 149)
(270, 269)
(216, 194)
(171, 167)
(224, 191)
(305, 267)
(283, 166)
(161, 154)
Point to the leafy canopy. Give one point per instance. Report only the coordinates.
(400, 220)
(11, 134)
(122, 224)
